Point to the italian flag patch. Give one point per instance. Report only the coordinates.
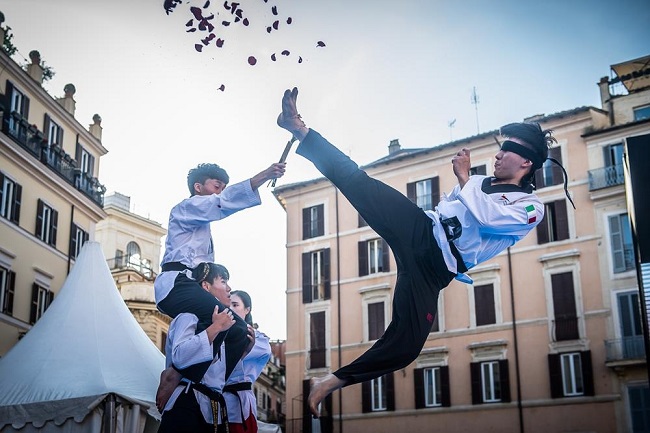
(530, 210)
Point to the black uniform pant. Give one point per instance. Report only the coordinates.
(421, 269)
(187, 296)
(186, 417)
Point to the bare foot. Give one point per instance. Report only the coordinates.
(319, 388)
(169, 380)
(289, 119)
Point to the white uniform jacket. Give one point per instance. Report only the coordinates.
(189, 239)
(493, 218)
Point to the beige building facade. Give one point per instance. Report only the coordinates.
(50, 198)
(545, 340)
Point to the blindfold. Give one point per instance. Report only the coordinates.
(524, 152)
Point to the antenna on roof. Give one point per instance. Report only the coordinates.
(451, 124)
(475, 102)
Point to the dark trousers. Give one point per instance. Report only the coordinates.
(187, 296)
(421, 269)
(185, 417)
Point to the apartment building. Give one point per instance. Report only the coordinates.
(131, 244)
(50, 198)
(269, 388)
(546, 339)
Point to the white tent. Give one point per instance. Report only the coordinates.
(86, 365)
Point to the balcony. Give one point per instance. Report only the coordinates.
(31, 139)
(565, 328)
(605, 177)
(628, 350)
(134, 263)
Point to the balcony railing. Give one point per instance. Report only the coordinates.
(606, 177)
(31, 139)
(623, 349)
(566, 328)
(141, 266)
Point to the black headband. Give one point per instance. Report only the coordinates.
(524, 152)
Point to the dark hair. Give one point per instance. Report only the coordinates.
(246, 299)
(203, 172)
(206, 271)
(536, 139)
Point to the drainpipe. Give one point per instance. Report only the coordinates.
(338, 299)
(69, 246)
(514, 331)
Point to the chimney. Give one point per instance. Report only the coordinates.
(68, 102)
(394, 146)
(118, 200)
(96, 128)
(35, 70)
(605, 96)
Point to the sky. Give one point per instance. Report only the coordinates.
(389, 70)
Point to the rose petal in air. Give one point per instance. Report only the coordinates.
(299, 59)
(274, 9)
(268, 30)
(222, 88)
(275, 24)
(320, 44)
(226, 6)
(245, 22)
(252, 60)
(189, 23)
(273, 57)
(289, 20)
(191, 30)
(206, 5)
(285, 53)
(225, 23)
(220, 42)
(198, 47)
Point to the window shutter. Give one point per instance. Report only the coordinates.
(2, 186)
(18, 194)
(72, 245)
(25, 107)
(558, 176)
(59, 137)
(504, 377)
(77, 152)
(306, 278)
(561, 220)
(445, 389)
(50, 298)
(555, 375)
(410, 192)
(305, 223)
(320, 222)
(54, 224)
(475, 374)
(376, 322)
(542, 227)
(34, 307)
(390, 391)
(363, 258)
(587, 372)
(327, 274)
(8, 307)
(39, 219)
(385, 252)
(306, 414)
(46, 128)
(91, 165)
(418, 379)
(365, 397)
(616, 242)
(435, 192)
(484, 304)
(9, 90)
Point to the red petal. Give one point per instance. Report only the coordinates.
(252, 60)
(196, 12)
(225, 23)
(289, 20)
(225, 5)
(274, 9)
(273, 57)
(191, 30)
(220, 42)
(320, 44)
(268, 30)
(285, 53)
(275, 24)
(245, 22)
(189, 23)
(222, 88)
(206, 5)
(198, 47)
(299, 59)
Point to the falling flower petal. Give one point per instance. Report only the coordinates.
(299, 59)
(275, 24)
(289, 20)
(220, 42)
(273, 57)
(191, 30)
(196, 12)
(206, 5)
(234, 7)
(198, 47)
(268, 30)
(189, 23)
(245, 22)
(285, 52)
(225, 5)
(236, 19)
(252, 60)
(274, 9)
(320, 44)
(225, 23)
(222, 88)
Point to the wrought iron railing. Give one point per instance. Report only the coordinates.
(605, 177)
(31, 139)
(626, 348)
(138, 265)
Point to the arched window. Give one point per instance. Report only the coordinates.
(133, 253)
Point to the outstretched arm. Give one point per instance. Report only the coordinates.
(274, 171)
(462, 164)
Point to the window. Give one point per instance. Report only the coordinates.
(324, 423)
(78, 238)
(53, 132)
(571, 374)
(484, 305)
(317, 344)
(7, 288)
(19, 110)
(620, 238)
(479, 169)
(378, 395)
(41, 299)
(10, 198)
(424, 193)
(641, 113)
(316, 276)
(550, 173)
(86, 165)
(431, 387)
(565, 323)
(373, 257)
(555, 225)
(639, 401)
(313, 222)
(376, 320)
(631, 331)
(490, 382)
(46, 223)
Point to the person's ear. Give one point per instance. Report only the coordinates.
(205, 285)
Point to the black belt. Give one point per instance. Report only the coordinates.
(233, 388)
(453, 230)
(218, 404)
(174, 266)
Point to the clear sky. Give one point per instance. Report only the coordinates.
(399, 69)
